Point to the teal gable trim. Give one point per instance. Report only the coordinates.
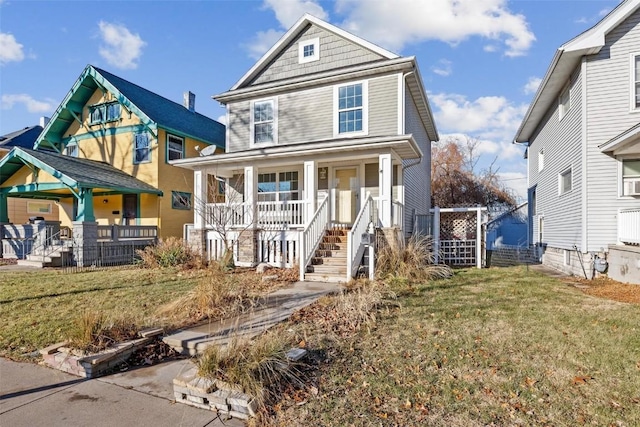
(35, 187)
(43, 166)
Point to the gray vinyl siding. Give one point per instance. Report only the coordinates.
(417, 178)
(335, 52)
(383, 106)
(608, 115)
(562, 144)
(307, 115)
(238, 127)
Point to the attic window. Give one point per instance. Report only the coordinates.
(308, 50)
(104, 113)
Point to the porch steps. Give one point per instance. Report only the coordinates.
(329, 263)
(55, 258)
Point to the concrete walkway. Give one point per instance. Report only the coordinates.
(32, 395)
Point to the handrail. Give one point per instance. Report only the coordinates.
(46, 246)
(355, 248)
(311, 236)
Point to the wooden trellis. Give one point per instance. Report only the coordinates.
(458, 235)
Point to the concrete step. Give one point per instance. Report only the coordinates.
(323, 277)
(28, 263)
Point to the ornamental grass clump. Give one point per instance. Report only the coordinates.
(413, 262)
(94, 332)
(259, 366)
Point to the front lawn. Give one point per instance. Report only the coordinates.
(41, 308)
(486, 347)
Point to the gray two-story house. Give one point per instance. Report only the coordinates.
(328, 140)
(583, 135)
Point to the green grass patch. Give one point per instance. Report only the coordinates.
(40, 308)
(485, 347)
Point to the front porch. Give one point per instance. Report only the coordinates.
(282, 211)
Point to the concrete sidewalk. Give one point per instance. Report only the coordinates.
(32, 395)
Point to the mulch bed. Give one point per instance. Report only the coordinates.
(604, 287)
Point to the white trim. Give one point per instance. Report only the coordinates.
(632, 82)
(316, 50)
(252, 142)
(584, 184)
(401, 104)
(365, 110)
(294, 31)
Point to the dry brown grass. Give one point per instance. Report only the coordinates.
(93, 331)
(169, 252)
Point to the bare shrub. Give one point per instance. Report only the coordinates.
(169, 252)
(259, 366)
(413, 262)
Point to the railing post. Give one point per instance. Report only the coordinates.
(436, 234)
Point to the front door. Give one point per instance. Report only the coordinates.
(346, 184)
(129, 209)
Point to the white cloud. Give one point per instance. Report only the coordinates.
(516, 181)
(532, 85)
(121, 48)
(32, 105)
(289, 11)
(393, 24)
(443, 68)
(262, 42)
(10, 49)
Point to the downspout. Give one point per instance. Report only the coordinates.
(404, 116)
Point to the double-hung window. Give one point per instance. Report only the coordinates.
(564, 102)
(175, 147)
(141, 148)
(635, 82)
(351, 109)
(71, 150)
(264, 121)
(631, 177)
(565, 181)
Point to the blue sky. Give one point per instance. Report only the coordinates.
(481, 60)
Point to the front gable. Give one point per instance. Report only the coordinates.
(331, 48)
(330, 51)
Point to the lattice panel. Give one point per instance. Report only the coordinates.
(458, 225)
(458, 252)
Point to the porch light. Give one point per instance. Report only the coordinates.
(105, 201)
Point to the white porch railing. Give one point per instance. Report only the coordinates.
(311, 236)
(629, 226)
(278, 248)
(282, 214)
(359, 230)
(397, 214)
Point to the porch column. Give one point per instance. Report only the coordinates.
(250, 194)
(85, 239)
(310, 185)
(4, 209)
(85, 205)
(200, 198)
(385, 183)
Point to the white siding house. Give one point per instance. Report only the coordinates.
(584, 151)
(328, 139)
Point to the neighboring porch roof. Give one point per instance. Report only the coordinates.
(628, 142)
(403, 145)
(72, 173)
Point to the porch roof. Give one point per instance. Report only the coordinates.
(403, 145)
(71, 173)
(625, 143)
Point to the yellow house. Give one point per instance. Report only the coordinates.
(104, 158)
